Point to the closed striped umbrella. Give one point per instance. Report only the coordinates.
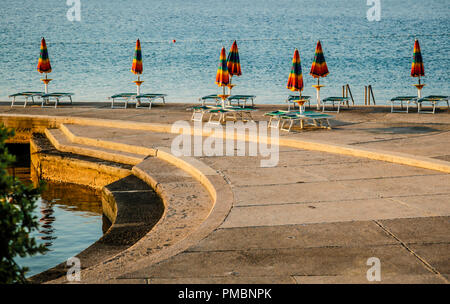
(295, 81)
(137, 68)
(417, 68)
(319, 66)
(222, 76)
(233, 63)
(44, 62)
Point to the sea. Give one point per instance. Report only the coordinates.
(91, 45)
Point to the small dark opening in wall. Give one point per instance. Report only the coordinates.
(22, 154)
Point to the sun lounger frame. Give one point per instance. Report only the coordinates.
(291, 99)
(276, 116)
(213, 97)
(318, 120)
(432, 99)
(122, 97)
(237, 98)
(150, 98)
(27, 95)
(201, 111)
(128, 97)
(46, 98)
(243, 114)
(335, 99)
(242, 98)
(402, 99)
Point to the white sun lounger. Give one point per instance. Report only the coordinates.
(236, 113)
(319, 120)
(291, 100)
(57, 97)
(402, 99)
(335, 100)
(150, 98)
(125, 98)
(434, 100)
(26, 95)
(242, 98)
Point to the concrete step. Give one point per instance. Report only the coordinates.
(64, 144)
(124, 140)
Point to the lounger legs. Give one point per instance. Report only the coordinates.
(291, 124)
(401, 107)
(272, 125)
(338, 107)
(215, 122)
(124, 107)
(195, 115)
(319, 123)
(24, 104)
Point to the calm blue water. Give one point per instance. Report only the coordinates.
(70, 220)
(93, 57)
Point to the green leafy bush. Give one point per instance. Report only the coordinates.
(17, 203)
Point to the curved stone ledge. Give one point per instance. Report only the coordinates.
(51, 164)
(179, 182)
(190, 215)
(133, 208)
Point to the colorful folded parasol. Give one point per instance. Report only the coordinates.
(295, 81)
(319, 66)
(417, 68)
(137, 68)
(44, 62)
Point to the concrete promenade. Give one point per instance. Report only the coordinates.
(316, 217)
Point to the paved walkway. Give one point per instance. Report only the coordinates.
(314, 218)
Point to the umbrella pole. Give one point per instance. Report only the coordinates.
(229, 85)
(419, 88)
(138, 84)
(46, 84)
(318, 93)
(299, 104)
(46, 81)
(223, 100)
(138, 91)
(419, 93)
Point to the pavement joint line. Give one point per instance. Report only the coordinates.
(365, 161)
(341, 180)
(311, 224)
(131, 191)
(294, 281)
(339, 200)
(209, 277)
(405, 246)
(293, 247)
(427, 213)
(428, 243)
(400, 138)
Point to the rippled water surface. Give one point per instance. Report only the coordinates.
(70, 220)
(93, 57)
